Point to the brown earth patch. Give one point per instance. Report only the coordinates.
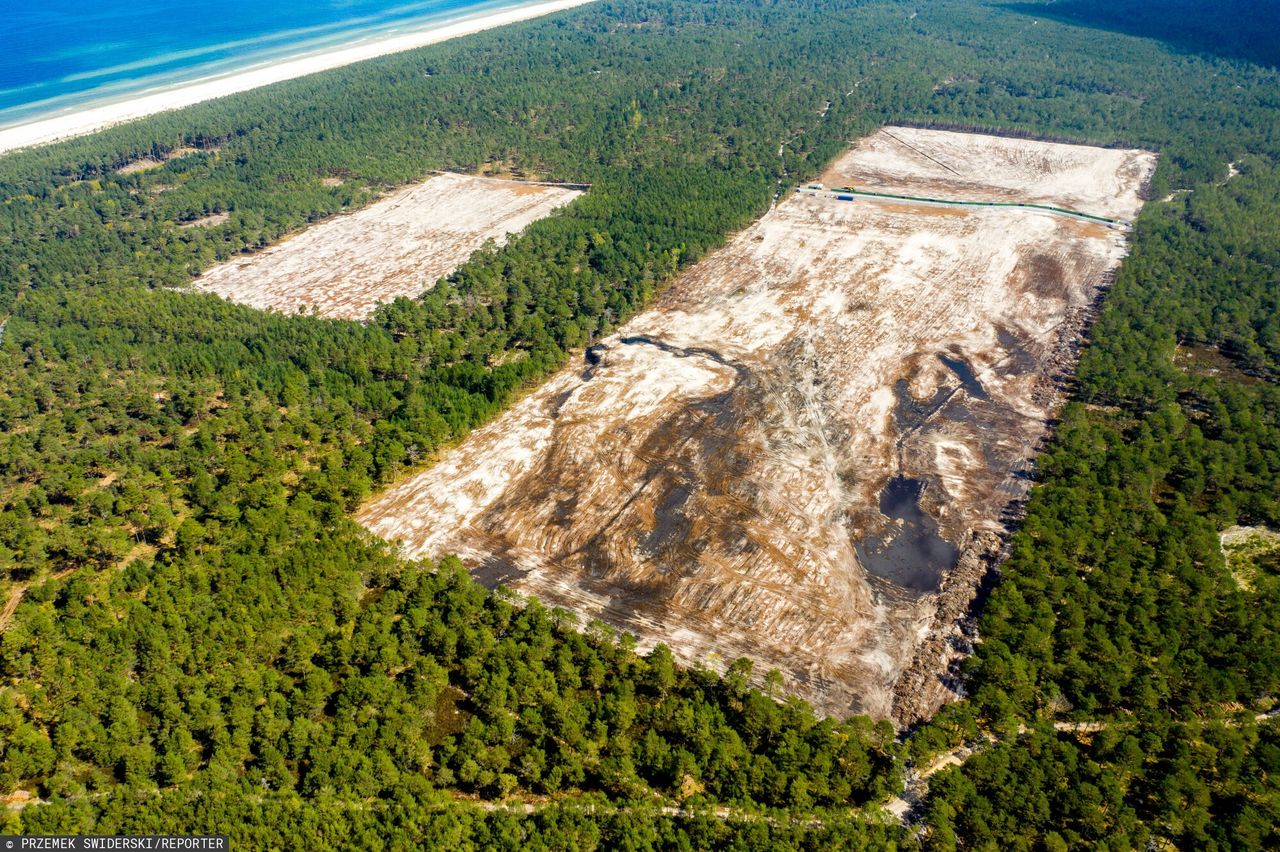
(801, 453)
(143, 164)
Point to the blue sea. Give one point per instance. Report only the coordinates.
(60, 55)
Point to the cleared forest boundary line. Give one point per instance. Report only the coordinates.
(899, 807)
(583, 187)
(852, 194)
(916, 788)
(22, 799)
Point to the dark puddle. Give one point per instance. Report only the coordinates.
(912, 556)
(968, 380)
(593, 356)
(683, 352)
(909, 414)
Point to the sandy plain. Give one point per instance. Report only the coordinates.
(972, 167)
(398, 246)
(801, 452)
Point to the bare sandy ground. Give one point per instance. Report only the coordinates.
(965, 166)
(714, 475)
(95, 118)
(1242, 546)
(399, 246)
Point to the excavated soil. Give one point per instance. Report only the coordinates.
(1108, 182)
(802, 452)
(399, 246)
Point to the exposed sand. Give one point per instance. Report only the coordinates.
(207, 221)
(43, 131)
(711, 475)
(399, 246)
(969, 167)
(1244, 547)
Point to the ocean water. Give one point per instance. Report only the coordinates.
(60, 55)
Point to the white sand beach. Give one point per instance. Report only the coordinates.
(90, 119)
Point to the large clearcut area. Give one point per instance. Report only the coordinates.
(802, 451)
(399, 246)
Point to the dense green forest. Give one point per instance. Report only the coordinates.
(205, 641)
(1116, 609)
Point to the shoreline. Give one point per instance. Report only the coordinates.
(101, 115)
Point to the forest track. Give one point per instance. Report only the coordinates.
(11, 606)
(905, 805)
(15, 596)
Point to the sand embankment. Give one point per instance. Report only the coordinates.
(101, 116)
